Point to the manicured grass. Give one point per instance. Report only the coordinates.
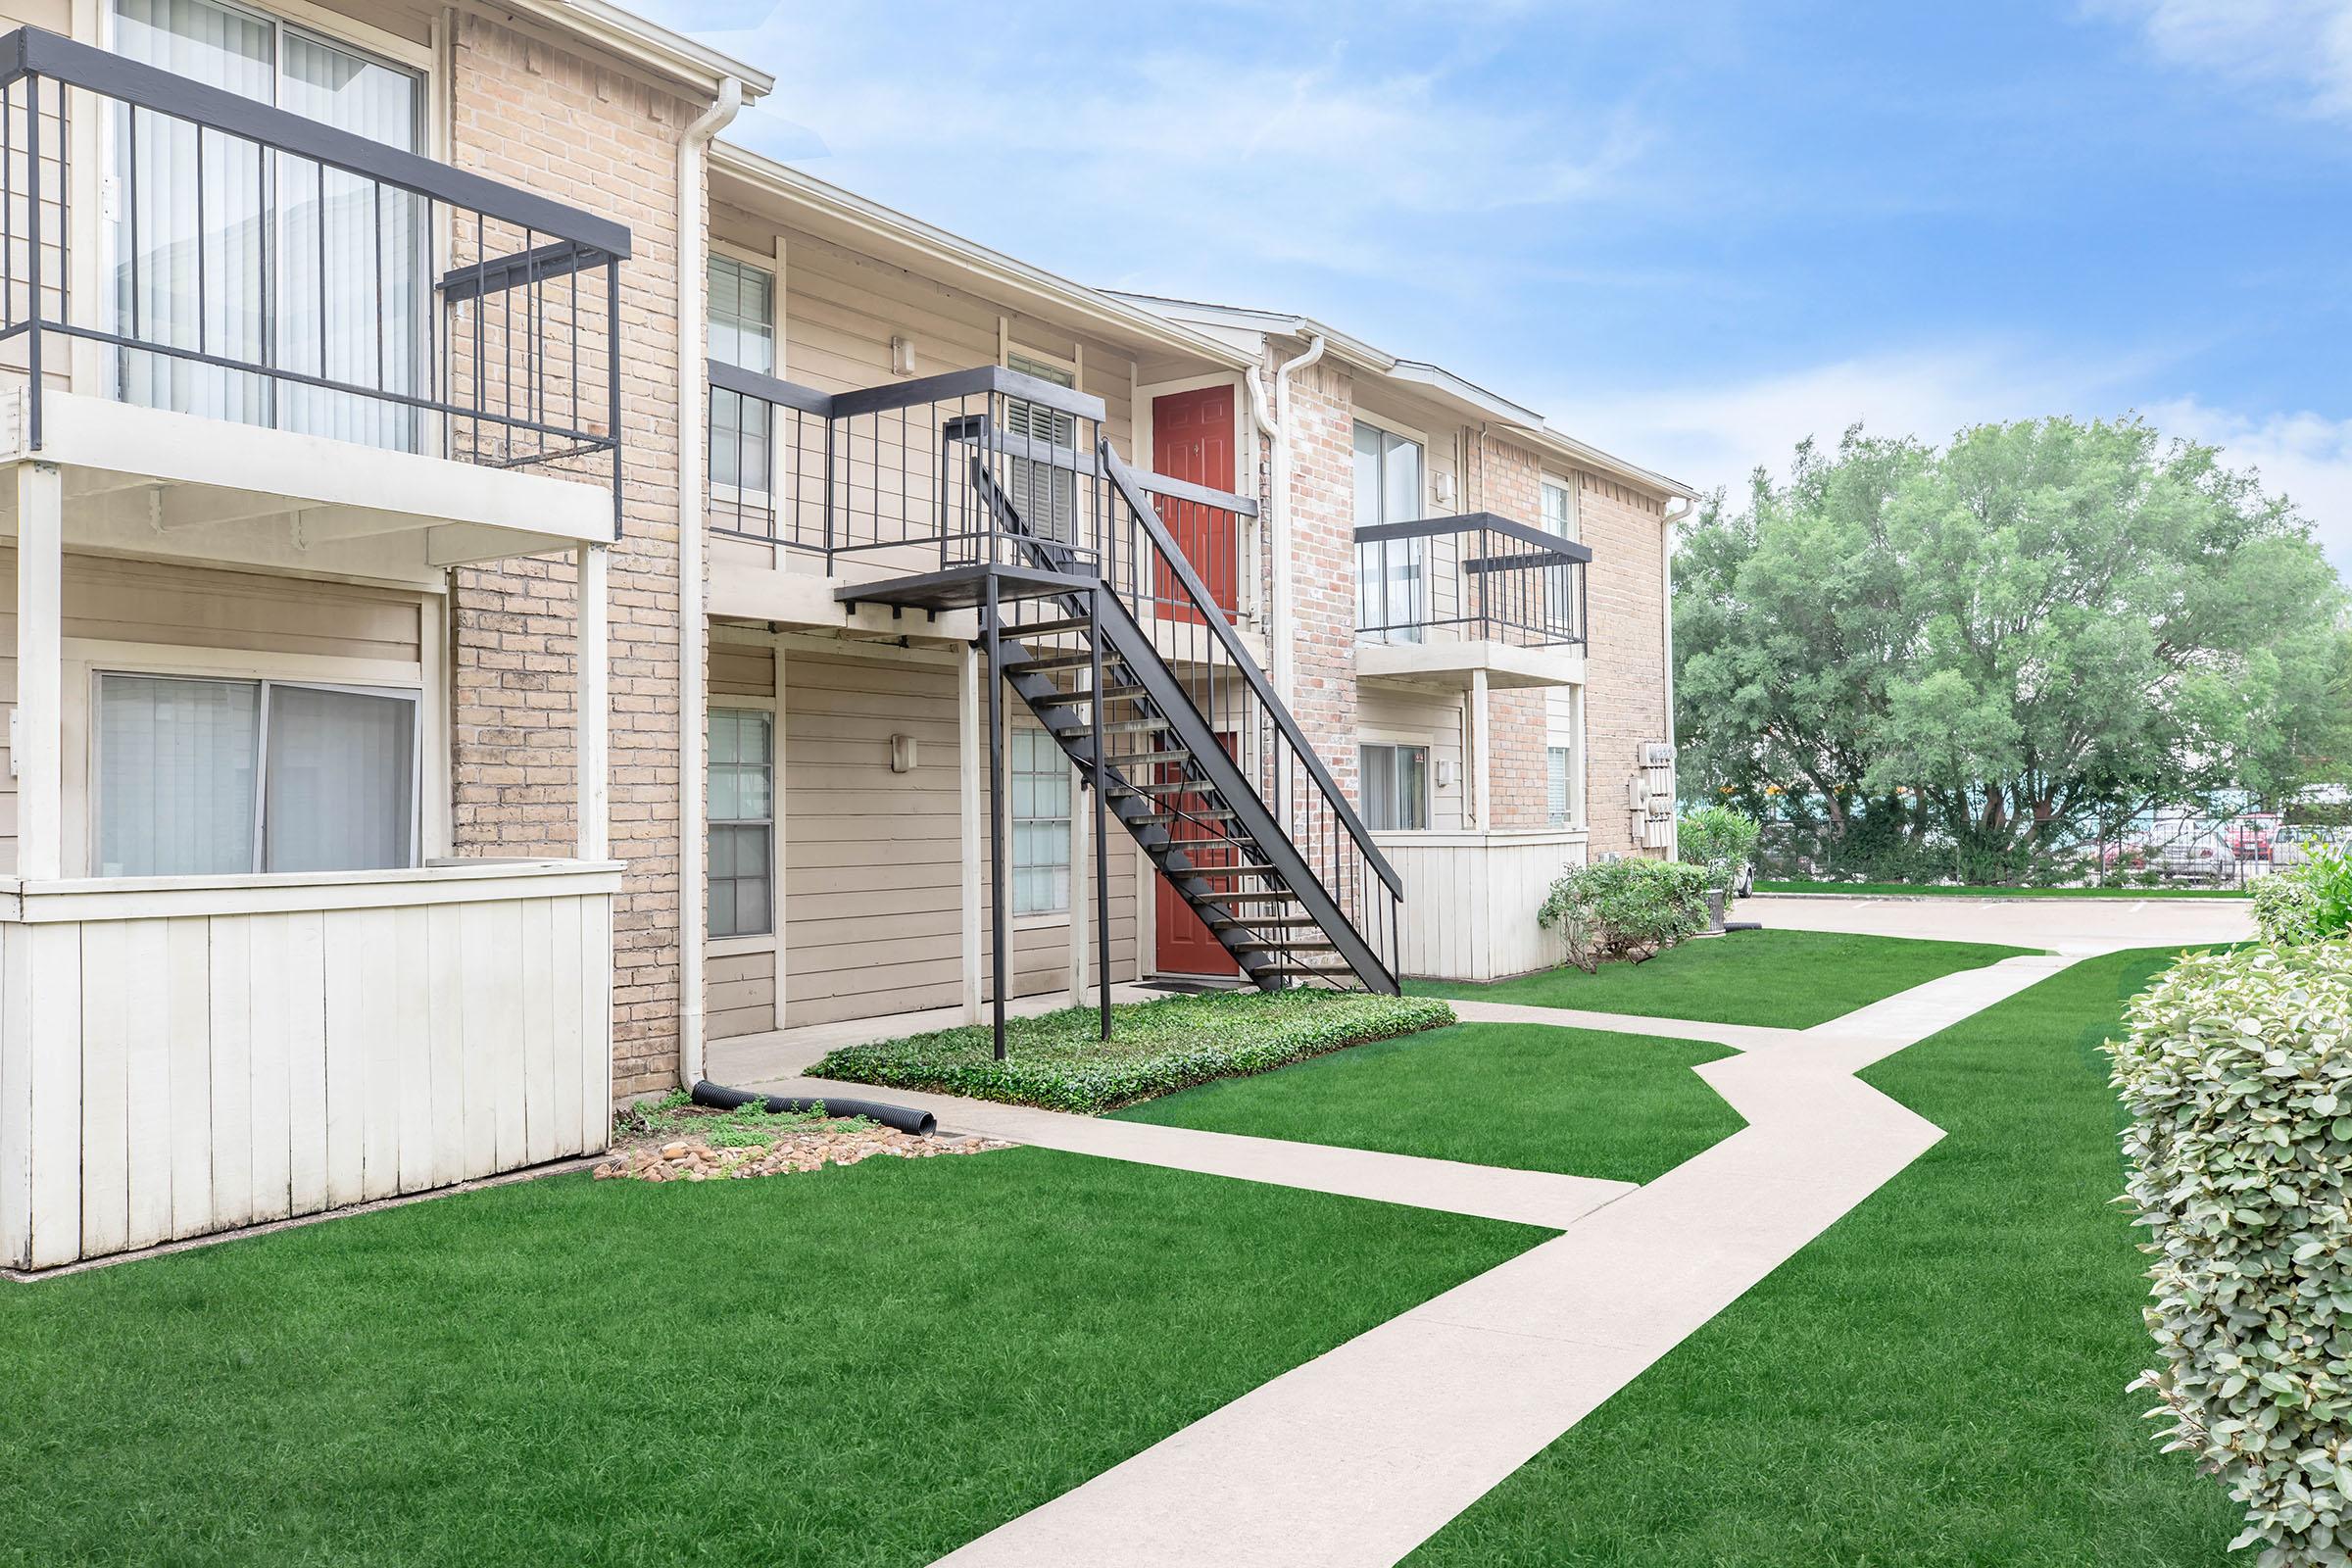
(852, 1368)
(1936, 890)
(1625, 1107)
(1937, 1380)
(1785, 979)
(1059, 1060)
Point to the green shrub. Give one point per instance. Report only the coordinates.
(2307, 903)
(2239, 1076)
(1056, 1060)
(1630, 909)
(1722, 840)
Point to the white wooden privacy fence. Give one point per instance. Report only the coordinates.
(1470, 900)
(182, 1055)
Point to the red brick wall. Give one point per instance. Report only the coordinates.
(1321, 426)
(1625, 698)
(562, 126)
(1509, 481)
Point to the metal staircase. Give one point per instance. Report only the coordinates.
(990, 490)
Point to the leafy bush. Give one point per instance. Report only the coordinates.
(1057, 1062)
(1630, 909)
(2239, 1076)
(1722, 840)
(2306, 902)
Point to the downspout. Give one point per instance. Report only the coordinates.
(1276, 430)
(693, 632)
(1667, 522)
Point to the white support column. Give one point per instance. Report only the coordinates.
(37, 747)
(593, 720)
(969, 805)
(1482, 750)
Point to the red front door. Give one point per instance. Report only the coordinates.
(1184, 945)
(1191, 439)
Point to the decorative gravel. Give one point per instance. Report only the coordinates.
(691, 1160)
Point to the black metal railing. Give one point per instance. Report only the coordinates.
(1475, 579)
(250, 264)
(988, 467)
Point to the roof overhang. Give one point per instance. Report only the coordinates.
(1433, 383)
(648, 45)
(769, 189)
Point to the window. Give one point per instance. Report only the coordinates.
(1560, 766)
(742, 333)
(1395, 787)
(315, 271)
(739, 883)
(1392, 590)
(1560, 582)
(1559, 508)
(1044, 494)
(1041, 823)
(227, 777)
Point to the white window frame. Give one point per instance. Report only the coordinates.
(772, 268)
(1573, 519)
(1062, 429)
(419, 732)
(1396, 751)
(1419, 550)
(765, 711)
(1059, 765)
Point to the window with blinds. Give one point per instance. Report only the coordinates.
(1395, 787)
(742, 333)
(201, 777)
(1559, 766)
(1044, 493)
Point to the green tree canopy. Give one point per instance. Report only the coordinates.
(1992, 644)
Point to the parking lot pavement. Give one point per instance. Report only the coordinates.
(2077, 927)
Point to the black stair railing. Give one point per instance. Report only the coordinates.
(991, 467)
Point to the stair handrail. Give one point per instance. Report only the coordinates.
(1127, 480)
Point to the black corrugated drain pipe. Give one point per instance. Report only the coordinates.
(905, 1118)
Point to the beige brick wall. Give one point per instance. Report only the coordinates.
(565, 126)
(1321, 422)
(1625, 698)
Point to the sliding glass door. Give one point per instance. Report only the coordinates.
(229, 252)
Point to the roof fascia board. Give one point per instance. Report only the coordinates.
(642, 43)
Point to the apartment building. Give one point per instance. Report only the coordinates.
(514, 593)
(340, 408)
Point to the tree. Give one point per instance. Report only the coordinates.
(1989, 647)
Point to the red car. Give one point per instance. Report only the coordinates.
(2249, 841)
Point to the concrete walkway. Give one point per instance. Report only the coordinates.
(2078, 927)
(1354, 1458)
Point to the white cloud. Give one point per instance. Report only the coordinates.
(1325, 158)
(2302, 45)
(2306, 457)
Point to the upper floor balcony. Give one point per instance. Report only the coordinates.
(202, 287)
(1440, 599)
(985, 465)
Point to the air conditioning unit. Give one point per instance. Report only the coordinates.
(1658, 753)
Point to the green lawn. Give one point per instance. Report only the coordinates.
(1938, 1380)
(1939, 890)
(1788, 979)
(1588, 1104)
(856, 1367)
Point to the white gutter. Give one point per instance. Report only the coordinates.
(1667, 522)
(694, 633)
(1277, 429)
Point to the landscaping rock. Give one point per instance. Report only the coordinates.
(694, 1160)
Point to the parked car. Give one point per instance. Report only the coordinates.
(2249, 841)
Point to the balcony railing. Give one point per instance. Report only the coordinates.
(910, 476)
(1472, 578)
(235, 259)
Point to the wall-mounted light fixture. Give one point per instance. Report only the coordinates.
(902, 355)
(902, 753)
(1445, 773)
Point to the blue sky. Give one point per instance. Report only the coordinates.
(1692, 234)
